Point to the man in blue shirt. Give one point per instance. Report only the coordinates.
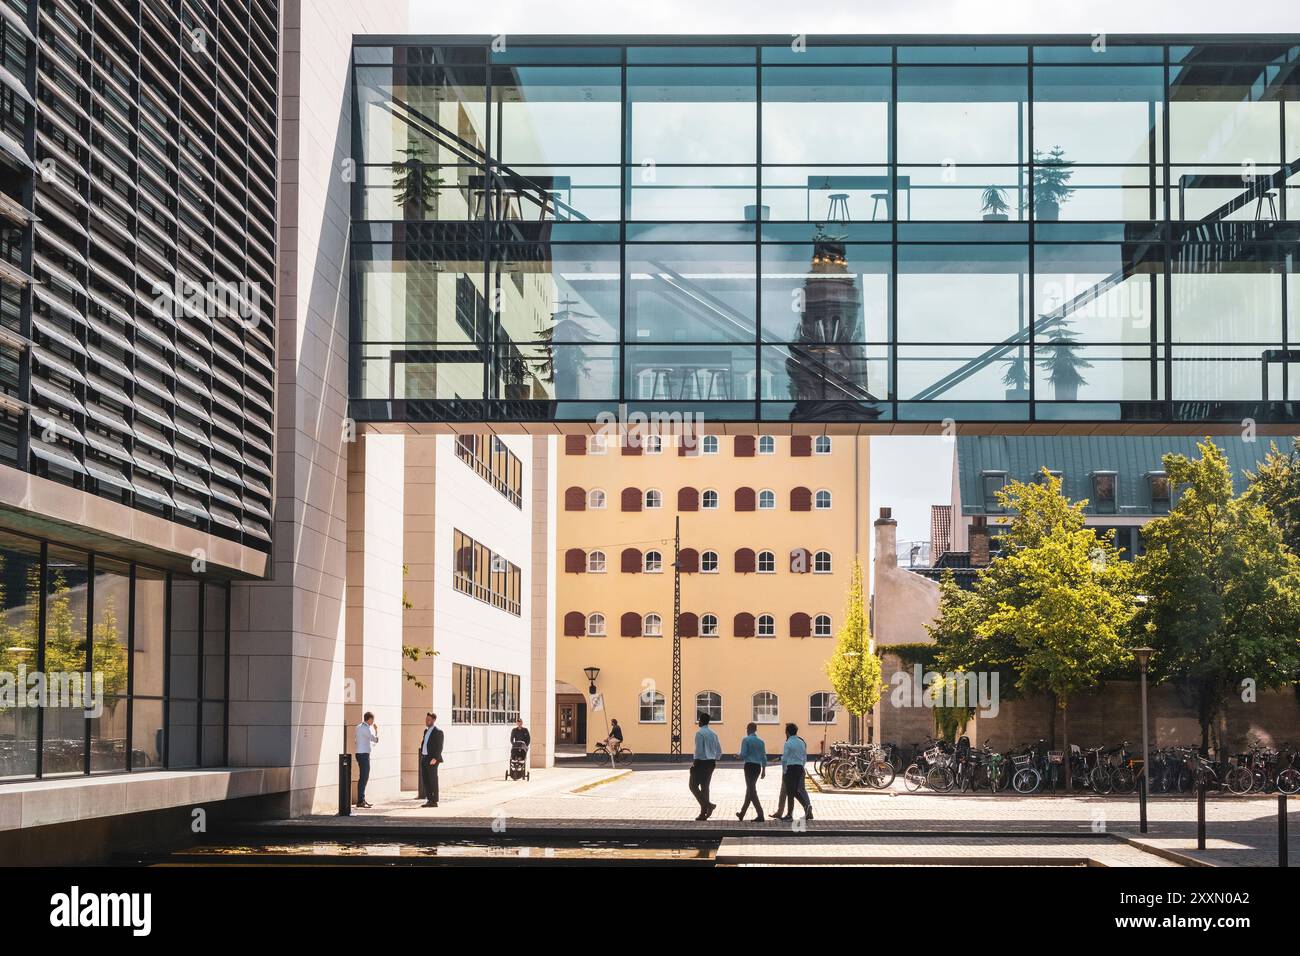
(793, 757)
(753, 752)
(707, 751)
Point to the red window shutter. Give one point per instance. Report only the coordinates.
(800, 499)
(745, 561)
(744, 446)
(800, 561)
(743, 625)
(631, 561)
(689, 559)
(688, 445)
(630, 624)
(575, 561)
(631, 499)
(800, 446)
(688, 499)
(632, 445)
(575, 499)
(744, 499)
(575, 624)
(688, 625)
(575, 444)
(800, 625)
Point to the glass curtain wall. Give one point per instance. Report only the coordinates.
(840, 232)
(105, 666)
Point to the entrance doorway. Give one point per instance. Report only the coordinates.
(571, 721)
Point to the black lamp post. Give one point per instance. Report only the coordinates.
(1143, 655)
(592, 673)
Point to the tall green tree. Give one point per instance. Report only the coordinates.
(1222, 589)
(854, 669)
(1275, 484)
(1054, 608)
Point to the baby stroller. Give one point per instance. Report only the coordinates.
(518, 762)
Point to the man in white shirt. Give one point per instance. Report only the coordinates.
(367, 737)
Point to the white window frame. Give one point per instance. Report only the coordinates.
(758, 562)
(655, 701)
(596, 445)
(830, 705)
(709, 445)
(766, 445)
(830, 625)
(771, 625)
(713, 719)
(830, 563)
(704, 497)
(653, 444)
(658, 500)
(591, 562)
(817, 499)
(659, 563)
(646, 625)
(822, 445)
(775, 704)
(704, 628)
(716, 562)
(771, 496)
(591, 619)
(597, 499)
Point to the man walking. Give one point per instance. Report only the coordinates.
(753, 752)
(430, 759)
(367, 737)
(707, 751)
(793, 757)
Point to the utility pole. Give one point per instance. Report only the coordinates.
(675, 743)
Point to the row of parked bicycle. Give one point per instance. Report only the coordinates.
(1035, 768)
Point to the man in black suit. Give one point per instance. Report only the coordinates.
(430, 759)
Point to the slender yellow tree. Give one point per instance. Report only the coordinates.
(854, 669)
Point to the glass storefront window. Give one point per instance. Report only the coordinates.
(148, 655)
(64, 727)
(20, 572)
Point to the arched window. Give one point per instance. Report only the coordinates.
(822, 446)
(767, 500)
(596, 499)
(596, 562)
(766, 445)
(595, 625)
(822, 625)
(709, 702)
(653, 444)
(822, 502)
(596, 445)
(709, 625)
(709, 500)
(653, 626)
(654, 562)
(822, 562)
(766, 625)
(766, 562)
(765, 708)
(710, 444)
(652, 707)
(654, 499)
(709, 562)
(821, 707)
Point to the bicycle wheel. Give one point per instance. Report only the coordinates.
(913, 777)
(1122, 780)
(1288, 781)
(623, 758)
(1026, 781)
(1000, 780)
(881, 774)
(1099, 780)
(1239, 780)
(939, 779)
(845, 775)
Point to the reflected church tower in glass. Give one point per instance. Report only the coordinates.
(827, 365)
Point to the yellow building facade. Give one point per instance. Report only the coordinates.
(770, 528)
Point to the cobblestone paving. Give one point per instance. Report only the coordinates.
(655, 798)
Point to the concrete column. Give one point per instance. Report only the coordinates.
(541, 720)
(419, 558)
(373, 668)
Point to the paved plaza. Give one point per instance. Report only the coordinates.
(652, 801)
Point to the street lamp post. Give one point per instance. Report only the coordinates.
(591, 674)
(1143, 655)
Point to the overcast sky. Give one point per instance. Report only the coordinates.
(908, 474)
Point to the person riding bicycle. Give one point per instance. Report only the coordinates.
(615, 739)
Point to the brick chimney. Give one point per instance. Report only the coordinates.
(886, 539)
(979, 542)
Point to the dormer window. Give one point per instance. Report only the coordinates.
(993, 482)
(1058, 475)
(1104, 491)
(1161, 491)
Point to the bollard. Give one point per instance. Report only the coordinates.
(345, 785)
(1200, 815)
(1283, 854)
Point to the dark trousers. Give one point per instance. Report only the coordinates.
(752, 770)
(429, 776)
(795, 790)
(701, 775)
(363, 765)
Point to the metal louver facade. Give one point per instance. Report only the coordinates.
(137, 320)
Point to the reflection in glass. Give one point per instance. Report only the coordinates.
(146, 733)
(1235, 193)
(703, 115)
(815, 115)
(1213, 300)
(1104, 293)
(962, 293)
(65, 654)
(705, 373)
(557, 114)
(108, 736)
(148, 642)
(20, 595)
(109, 647)
(804, 194)
(848, 286)
(1226, 115)
(965, 193)
(690, 293)
(556, 291)
(961, 115)
(1224, 374)
(538, 371)
(1110, 115)
(1096, 373)
(659, 193)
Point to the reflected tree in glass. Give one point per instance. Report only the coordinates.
(1061, 361)
(1052, 174)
